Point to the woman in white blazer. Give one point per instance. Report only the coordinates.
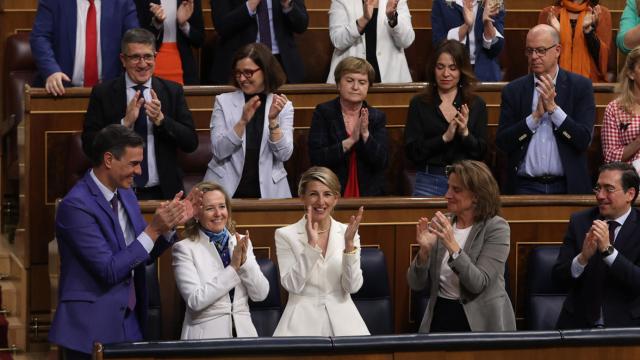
(350, 20)
(252, 129)
(319, 262)
(216, 272)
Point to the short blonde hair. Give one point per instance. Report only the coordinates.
(192, 227)
(320, 174)
(354, 65)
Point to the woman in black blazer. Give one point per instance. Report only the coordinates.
(348, 136)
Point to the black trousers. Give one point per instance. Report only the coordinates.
(449, 316)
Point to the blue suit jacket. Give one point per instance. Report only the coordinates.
(95, 268)
(53, 36)
(574, 94)
(621, 301)
(445, 18)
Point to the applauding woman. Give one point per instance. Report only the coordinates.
(319, 261)
(216, 272)
(621, 124)
(462, 257)
(252, 129)
(376, 30)
(447, 122)
(349, 136)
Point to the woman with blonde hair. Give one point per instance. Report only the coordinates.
(216, 271)
(319, 262)
(621, 125)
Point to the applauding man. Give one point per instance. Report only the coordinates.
(546, 123)
(104, 244)
(155, 108)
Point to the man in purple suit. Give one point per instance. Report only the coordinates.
(104, 244)
(59, 40)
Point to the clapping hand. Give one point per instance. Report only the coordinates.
(312, 229)
(158, 12)
(133, 109)
(352, 229)
(364, 124)
(462, 119)
(185, 10)
(442, 227)
(239, 255)
(277, 104)
(425, 238)
(154, 109)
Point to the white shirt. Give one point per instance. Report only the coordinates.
(454, 34)
(274, 43)
(449, 281)
(577, 269)
(82, 6)
(149, 141)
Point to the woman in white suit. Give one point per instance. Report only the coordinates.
(216, 272)
(319, 262)
(252, 129)
(358, 28)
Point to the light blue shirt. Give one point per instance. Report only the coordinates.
(543, 157)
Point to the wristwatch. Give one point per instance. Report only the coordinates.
(608, 251)
(271, 128)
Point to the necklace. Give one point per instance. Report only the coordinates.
(324, 231)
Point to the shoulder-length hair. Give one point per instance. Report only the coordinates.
(625, 85)
(477, 178)
(274, 76)
(460, 56)
(192, 227)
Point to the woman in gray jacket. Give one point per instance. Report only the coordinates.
(462, 256)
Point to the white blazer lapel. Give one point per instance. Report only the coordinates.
(265, 127)
(336, 239)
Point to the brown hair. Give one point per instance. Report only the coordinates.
(467, 81)
(476, 177)
(192, 227)
(320, 174)
(354, 65)
(274, 76)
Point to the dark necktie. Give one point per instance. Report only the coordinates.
(131, 301)
(263, 23)
(140, 127)
(91, 48)
(613, 225)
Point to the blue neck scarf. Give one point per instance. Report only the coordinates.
(221, 242)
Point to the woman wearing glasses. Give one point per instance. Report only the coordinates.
(462, 256)
(621, 124)
(252, 129)
(585, 35)
(348, 136)
(447, 122)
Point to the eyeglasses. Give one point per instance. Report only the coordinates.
(137, 58)
(540, 51)
(607, 189)
(248, 74)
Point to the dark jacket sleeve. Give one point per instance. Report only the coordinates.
(375, 152)
(324, 150)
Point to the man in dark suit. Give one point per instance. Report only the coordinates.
(59, 40)
(546, 123)
(237, 23)
(104, 244)
(155, 108)
(600, 257)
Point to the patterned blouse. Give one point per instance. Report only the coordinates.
(619, 128)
